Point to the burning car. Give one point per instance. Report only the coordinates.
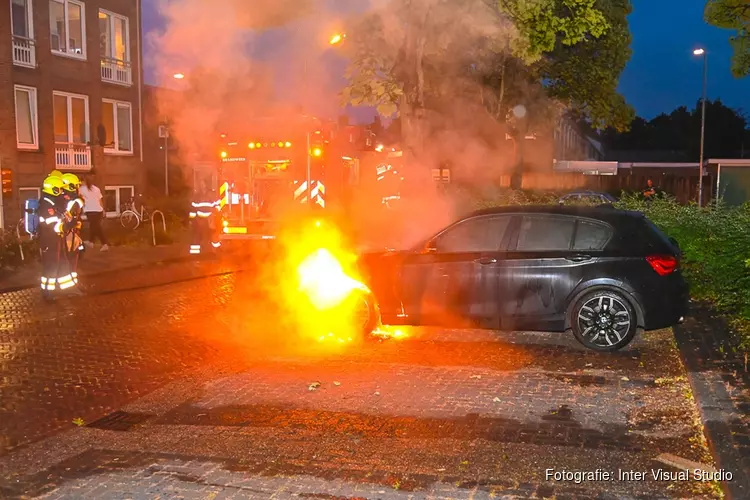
(602, 273)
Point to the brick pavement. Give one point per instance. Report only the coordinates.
(718, 373)
(442, 414)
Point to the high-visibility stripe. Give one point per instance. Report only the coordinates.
(223, 195)
(204, 214)
(300, 190)
(73, 203)
(49, 220)
(193, 215)
(204, 204)
(216, 244)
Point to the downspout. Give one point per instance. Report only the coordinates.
(140, 80)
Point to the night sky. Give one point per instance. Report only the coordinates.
(661, 75)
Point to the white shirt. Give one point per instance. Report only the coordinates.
(92, 199)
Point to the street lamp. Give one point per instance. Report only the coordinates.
(178, 76)
(702, 52)
(336, 38)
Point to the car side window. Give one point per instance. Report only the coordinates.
(483, 234)
(545, 233)
(591, 235)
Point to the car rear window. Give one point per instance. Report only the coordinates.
(591, 235)
(545, 233)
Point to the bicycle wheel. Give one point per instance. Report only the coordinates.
(130, 220)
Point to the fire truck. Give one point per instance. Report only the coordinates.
(275, 165)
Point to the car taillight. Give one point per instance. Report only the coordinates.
(663, 264)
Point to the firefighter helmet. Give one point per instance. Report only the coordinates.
(71, 181)
(55, 173)
(53, 185)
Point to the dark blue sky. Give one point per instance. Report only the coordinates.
(661, 75)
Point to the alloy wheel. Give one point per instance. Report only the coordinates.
(604, 321)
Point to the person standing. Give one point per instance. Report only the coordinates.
(650, 192)
(73, 210)
(93, 208)
(56, 273)
(204, 226)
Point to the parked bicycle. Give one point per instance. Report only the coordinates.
(131, 217)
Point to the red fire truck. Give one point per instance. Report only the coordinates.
(274, 165)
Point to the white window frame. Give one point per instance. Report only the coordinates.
(33, 101)
(69, 96)
(118, 201)
(29, 19)
(112, 17)
(116, 149)
(65, 53)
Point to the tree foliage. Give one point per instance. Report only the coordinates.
(733, 15)
(499, 55)
(726, 132)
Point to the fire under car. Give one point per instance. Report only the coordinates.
(603, 274)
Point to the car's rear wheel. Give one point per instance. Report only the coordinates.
(604, 320)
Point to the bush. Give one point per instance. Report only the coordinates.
(715, 242)
(10, 252)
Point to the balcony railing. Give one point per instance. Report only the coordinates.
(116, 71)
(24, 52)
(72, 157)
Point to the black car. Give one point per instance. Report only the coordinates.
(587, 197)
(603, 273)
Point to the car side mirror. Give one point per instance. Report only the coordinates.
(430, 247)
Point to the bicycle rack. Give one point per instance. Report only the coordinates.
(153, 227)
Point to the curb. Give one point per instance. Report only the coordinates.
(170, 260)
(715, 406)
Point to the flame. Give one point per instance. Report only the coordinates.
(323, 280)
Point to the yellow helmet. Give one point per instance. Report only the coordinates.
(53, 185)
(55, 173)
(71, 181)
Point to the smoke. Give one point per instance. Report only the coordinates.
(457, 52)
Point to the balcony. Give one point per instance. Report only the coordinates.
(73, 157)
(116, 71)
(24, 52)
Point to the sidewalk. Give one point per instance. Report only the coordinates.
(718, 374)
(95, 262)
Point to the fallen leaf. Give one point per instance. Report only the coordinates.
(625, 379)
(476, 376)
(337, 384)
(313, 386)
(589, 365)
(79, 421)
(377, 393)
(497, 400)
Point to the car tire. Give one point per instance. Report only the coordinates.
(603, 320)
(366, 313)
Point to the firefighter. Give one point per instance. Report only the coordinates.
(203, 222)
(55, 270)
(73, 209)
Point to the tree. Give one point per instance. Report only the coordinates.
(733, 15)
(492, 57)
(679, 131)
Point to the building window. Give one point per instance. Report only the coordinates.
(71, 115)
(27, 125)
(114, 48)
(117, 120)
(115, 197)
(24, 50)
(27, 194)
(67, 27)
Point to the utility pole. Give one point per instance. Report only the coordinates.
(704, 53)
(164, 133)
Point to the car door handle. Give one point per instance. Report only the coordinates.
(578, 258)
(485, 261)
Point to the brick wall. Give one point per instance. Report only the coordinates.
(60, 73)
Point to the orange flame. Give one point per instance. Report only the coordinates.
(323, 280)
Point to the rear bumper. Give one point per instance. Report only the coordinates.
(666, 307)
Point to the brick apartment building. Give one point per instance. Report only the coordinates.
(70, 97)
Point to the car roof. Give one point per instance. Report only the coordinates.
(602, 213)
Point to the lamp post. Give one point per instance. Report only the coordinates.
(702, 52)
(335, 39)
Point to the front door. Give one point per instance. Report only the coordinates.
(453, 282)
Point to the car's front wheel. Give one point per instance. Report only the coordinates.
(365, 312)
(603, 320)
